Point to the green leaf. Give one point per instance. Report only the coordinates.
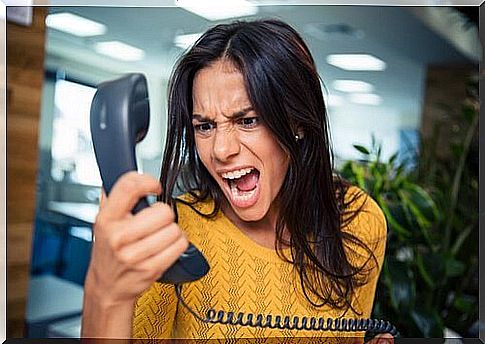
(346, 171)
(395, 226)
(362, 149)
(424, 273)
(432, 268)
(454, 267)
(359, 174)
(401, 212)
(379, 181)
(461, 239)
(465, 303)
(401, 284)
(422, 202)
(373, 142)
(413, 213)
(393, 158)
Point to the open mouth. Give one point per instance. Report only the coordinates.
(242, 186)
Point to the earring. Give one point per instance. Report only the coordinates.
(297, 137)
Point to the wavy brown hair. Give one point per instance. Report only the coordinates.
(284, 89)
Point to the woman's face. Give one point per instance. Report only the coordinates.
(234, 145)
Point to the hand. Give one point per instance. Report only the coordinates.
(383, 338)
(130, 252)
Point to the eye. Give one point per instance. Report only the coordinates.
(204, 128)
(248, 122)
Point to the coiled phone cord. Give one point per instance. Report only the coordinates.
(370, 326)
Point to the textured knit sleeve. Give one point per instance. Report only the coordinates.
(155, 312)
(370, 227)
(156, 308)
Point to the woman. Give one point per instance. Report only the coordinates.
(248, 153)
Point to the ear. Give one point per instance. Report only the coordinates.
(299, 134)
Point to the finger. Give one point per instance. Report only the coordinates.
(102, 204)
(151, 245)
(102, 199)
(383, 338)
(128, 190)
(165, 259)
(146, 222)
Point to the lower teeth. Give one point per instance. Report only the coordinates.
(245, 194)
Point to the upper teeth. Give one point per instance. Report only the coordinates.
(237, 173)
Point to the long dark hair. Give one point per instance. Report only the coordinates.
(284, 89)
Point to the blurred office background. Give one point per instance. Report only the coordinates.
(396, 81)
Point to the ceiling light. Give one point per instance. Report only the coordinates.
(352, 86)
(74, 24)
(357, 62)
(185, 41)
(366, 99)
(119, 50)
(218, 9)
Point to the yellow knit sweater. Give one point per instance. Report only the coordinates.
(246, 277)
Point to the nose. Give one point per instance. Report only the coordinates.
(226, 144)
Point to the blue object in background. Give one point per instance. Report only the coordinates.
(76, 256)
(61, 249)
(409, 140)
(46, 248)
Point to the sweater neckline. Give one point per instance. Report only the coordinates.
(251, 246)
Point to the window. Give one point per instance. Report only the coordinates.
(73, 157)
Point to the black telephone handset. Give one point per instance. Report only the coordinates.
(120, 115)
(119, 120)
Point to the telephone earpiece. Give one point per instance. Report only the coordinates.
(120, 116)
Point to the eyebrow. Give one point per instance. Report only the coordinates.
(235, 115)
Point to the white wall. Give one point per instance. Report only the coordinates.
(401, 109)
(152, 146)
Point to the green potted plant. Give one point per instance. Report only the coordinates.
(430, 275)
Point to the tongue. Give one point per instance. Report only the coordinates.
(248, 182)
